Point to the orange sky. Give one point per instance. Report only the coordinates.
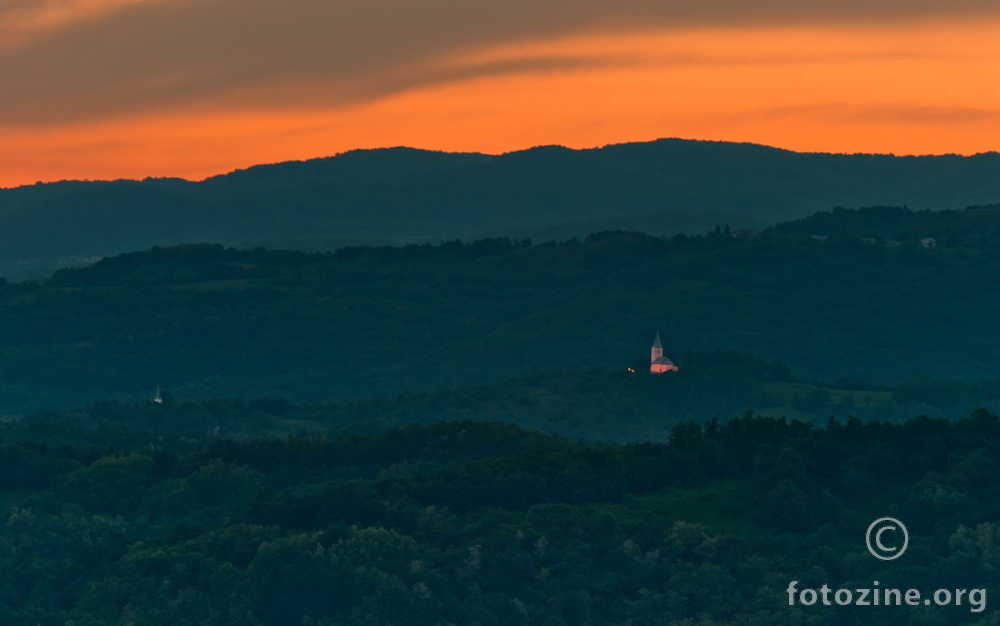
(914, 87)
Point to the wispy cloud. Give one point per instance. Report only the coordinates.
(21, 20)
(89, 59)
(194, 87)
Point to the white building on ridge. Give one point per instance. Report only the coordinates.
(659, 364)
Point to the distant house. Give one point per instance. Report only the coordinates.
(659, 364)
(928, 242)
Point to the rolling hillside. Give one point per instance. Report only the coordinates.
(205, 321)
(400, 195)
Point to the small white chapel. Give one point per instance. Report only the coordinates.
(659, 364)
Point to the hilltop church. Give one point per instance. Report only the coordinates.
(659, 364)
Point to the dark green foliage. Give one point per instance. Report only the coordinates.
(206, 321)
(931, 391)
(815, 400)
(465, 523)
(402, 196)
(975, 227)
(594, 405)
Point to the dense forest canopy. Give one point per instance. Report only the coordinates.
(595, 405)
(467, 433)
(976, 226)
(402, 195)
(205, 321)
(484, 524)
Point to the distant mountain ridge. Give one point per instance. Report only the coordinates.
(403, 195)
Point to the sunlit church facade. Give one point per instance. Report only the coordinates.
(659, 364)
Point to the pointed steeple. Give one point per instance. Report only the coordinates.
(658, 363)
(657, 350)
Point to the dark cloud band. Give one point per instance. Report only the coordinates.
(174, 54)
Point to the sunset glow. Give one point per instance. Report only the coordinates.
(918, 88)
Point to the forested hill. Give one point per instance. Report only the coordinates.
(976, 226)
(205, 321)
(484, 524)
(404, 195)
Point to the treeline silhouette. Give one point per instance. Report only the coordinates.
(205, 321)
(480, 523)
(974, 227)
(594, 405)
(403, 195)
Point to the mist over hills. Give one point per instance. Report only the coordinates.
(402, 195)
